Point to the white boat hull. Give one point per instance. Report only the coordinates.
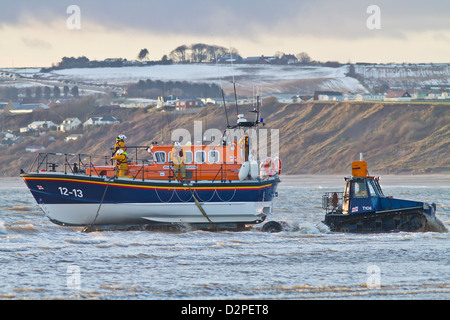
(145, 213)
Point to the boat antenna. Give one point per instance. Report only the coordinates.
(168, 122)
(221, 88)
(225, 107)
(234, 83)
(256, 110)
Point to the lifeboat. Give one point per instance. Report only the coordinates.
(222, 188)
(363, 207)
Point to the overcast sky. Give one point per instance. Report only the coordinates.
(35, 33)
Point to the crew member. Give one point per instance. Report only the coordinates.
(121, 163)
(178, 158)
(245, 148)
(120, 143)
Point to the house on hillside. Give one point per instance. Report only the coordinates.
(72, 137)
(306, 97)
(8, 139)
(216, 101)
(288, 59)
(26, 108)
(34, 148)
(40, 125)
(7, 106)
(69, 124)
(3, 105)
(397, 96)
(100, 121)
(229, 59)
(183, 104)
(437, 96)
(247, 100)
(329, 96)
(260, 60)
(287, 98)
(166, 101)
(373, 96)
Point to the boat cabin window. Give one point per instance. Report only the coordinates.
(371, 189)
(377, 187)
(213, 156)
(160, 156)
(359, 189)
(200, 156)
(189, 156)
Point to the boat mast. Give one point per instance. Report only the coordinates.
(234, 83)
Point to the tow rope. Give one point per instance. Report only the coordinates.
(88, 228)
(199, 206)
(197, 203)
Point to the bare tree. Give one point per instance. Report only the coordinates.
(178, 55)
(303, 58)
(143, 54)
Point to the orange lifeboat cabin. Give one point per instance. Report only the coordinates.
(203, 162)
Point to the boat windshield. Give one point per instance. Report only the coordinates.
(378, 187)
(372, 189)
(160, 156)
(359, 189)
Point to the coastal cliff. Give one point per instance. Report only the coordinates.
(314, 137)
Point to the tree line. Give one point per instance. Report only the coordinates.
(37, 94)
(152, 89)
(201, 53)
(194, 53)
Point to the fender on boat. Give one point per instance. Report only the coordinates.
(277, 164)
(243, 172)
(254, 169)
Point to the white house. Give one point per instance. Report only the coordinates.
(100, 121)
(373, 96)
(34, 148)
(28, 108)
(216, 101)
(36, 125)
(69, 124)
(166, 101)
(287, 98)
(72, 137)
(437, 96)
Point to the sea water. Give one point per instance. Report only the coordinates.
(41, 260)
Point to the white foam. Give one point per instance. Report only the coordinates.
(2, 227)
(305, 227)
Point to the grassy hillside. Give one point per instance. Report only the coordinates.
(394, 138)
(315, 138)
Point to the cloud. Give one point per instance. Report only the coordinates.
(36, 43)
(320, 18)
(326, 29)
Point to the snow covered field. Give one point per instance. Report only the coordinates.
(245, 75)
(269, 78)
(186, 72)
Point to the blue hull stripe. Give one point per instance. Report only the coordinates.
(61, 189)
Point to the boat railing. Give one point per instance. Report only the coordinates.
(332, 201)
(139, 169)
(67, 162)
